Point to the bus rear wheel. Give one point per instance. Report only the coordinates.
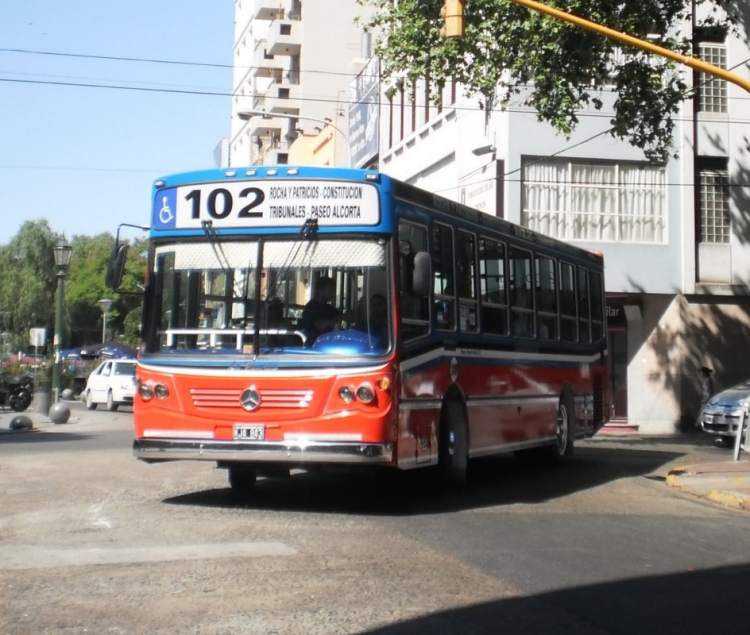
(241, 479)
(453, 445)
(565, 428)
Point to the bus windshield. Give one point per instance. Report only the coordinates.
(326, 296)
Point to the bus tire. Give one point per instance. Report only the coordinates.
(565, 427)
(453, 444)
(241, 479)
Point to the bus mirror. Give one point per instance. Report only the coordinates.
(422, 276)
(116, 267)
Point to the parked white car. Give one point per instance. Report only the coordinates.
(111, 383)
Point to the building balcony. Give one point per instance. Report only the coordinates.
(267, 126)
(271, 152)
(267, 9)
(283, 99)
(284, 37)
(264, 64)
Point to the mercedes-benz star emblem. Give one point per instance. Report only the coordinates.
(250, 399)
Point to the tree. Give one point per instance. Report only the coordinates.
(86, 287)
(28, 282)
(507, 48)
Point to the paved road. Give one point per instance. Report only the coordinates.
(92, 540)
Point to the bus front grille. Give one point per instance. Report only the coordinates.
(269, 398)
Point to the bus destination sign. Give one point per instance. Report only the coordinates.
(237, 204)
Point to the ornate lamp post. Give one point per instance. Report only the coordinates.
(105, 305)
(62, 259)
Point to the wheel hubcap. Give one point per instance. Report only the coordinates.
(562, 429)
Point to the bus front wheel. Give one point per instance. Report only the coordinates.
(453, 445)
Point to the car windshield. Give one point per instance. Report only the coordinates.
(124, 369)
(310, 296)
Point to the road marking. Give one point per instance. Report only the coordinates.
(30, 557)
(99, 519)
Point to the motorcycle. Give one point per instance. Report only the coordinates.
(15, 392)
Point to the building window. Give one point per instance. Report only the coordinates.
(595, 201)
(712, 91)
(714, 206)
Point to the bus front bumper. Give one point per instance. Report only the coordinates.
(291, 453)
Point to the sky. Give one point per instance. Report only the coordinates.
(83, 156)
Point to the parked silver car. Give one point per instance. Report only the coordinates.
(111, 383)
(724, 412)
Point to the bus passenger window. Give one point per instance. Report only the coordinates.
(492, 291)
(584, 325)
(597, 306)
(413, 310)
(568, 319)
(467, 282)
(546, 293)
(444, 286)
(521, 293)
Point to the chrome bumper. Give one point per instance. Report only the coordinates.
(291, 453)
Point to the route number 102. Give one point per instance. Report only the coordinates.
(220, 203)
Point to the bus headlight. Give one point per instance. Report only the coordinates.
(146, 392)
(161, 391)
(366, 393)
(346, 394)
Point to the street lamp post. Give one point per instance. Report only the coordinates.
(62, 253)
(246, 115)
(105, 305)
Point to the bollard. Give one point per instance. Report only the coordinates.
(738, 438)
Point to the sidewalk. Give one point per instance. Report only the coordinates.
(94, 419)
(726, 483)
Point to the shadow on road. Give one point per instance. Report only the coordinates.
(498, 481)
(693, 602)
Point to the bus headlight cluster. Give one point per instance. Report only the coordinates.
(149, 391)
(365, 392)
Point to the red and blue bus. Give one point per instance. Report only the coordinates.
(450, 334)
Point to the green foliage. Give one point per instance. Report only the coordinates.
(28, 281)
(507, 48)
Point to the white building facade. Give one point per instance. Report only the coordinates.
(676, 238)
(294, 60)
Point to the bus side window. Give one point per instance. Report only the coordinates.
(492, 287)
(521, 300)
(597, 306)
(414, 310)
(584, 324)
(467, 291)
(444, 285)
(546, 293)
(568, 318)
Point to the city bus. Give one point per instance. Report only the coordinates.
(450, 334)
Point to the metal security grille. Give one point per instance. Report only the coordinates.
(714, 206)
(712, 92)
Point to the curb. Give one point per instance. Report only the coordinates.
(675, 479)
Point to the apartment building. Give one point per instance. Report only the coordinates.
(293, 61)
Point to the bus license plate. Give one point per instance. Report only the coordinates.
(249, 433)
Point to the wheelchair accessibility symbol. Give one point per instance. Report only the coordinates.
(164, 216)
